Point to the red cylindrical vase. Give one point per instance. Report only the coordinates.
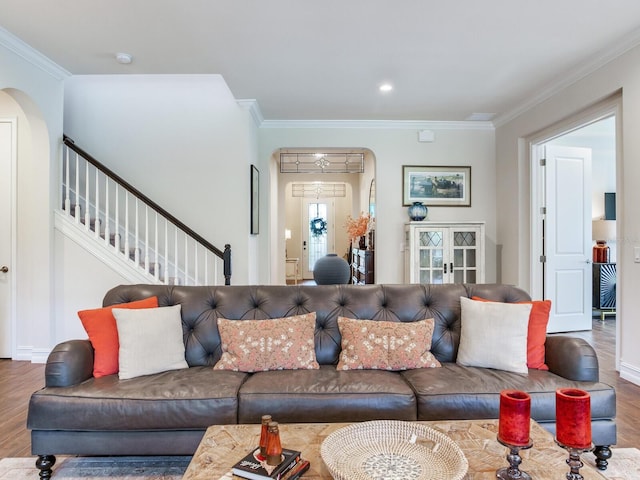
(515, 417)
(573, 418)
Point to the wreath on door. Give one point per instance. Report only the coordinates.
(318, 226)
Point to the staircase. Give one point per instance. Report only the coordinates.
(120, 224)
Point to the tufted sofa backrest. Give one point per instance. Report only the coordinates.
(201, 307)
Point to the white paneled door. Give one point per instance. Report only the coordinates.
(568, 267)
(7, 165)
(317, 232)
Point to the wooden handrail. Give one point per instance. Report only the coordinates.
(224, 255)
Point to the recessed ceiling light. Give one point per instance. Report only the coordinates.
(124, 58)
(386, 87)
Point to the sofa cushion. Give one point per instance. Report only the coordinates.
(326, 395)
(100, 325)
(537, 331)
(368, 344)
(191, 398)
(150, 341)
(262, 345)
(494, 335)
(461, 393)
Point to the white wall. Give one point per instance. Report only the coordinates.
(623, 74)
(32, 91)
(183, 140)
(392, 147)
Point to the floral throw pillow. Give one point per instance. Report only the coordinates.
(275, 344)
(382, 345)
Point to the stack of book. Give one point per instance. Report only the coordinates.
(254, 467)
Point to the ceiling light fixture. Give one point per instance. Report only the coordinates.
(124, 58)
(386, 87)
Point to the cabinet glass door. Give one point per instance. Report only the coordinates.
(464, 265)
(431, 256)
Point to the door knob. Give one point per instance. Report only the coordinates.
(4, 269)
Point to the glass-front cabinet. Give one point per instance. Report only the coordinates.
(444, 252)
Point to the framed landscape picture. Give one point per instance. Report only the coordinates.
(436, 186)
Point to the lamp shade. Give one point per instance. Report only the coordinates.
(604, 230)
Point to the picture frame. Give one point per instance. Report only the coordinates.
(436, 186)
(255, 200)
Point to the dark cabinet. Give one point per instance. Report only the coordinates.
(362, 267)
(604, 286)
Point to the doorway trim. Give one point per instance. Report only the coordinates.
(13, 182)
(611, 106)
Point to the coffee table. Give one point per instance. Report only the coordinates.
(223, 445)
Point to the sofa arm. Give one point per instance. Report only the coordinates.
(572, 358)
(69, 363)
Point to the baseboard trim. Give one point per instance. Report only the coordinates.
(33, 355)
(630, 373)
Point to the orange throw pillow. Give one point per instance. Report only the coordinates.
(537, 333)
(101, 327)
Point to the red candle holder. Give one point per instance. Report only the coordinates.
(573, 418)
(515, 417)
(514, 427)
(573, 427)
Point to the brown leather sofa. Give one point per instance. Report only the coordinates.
(167, 413)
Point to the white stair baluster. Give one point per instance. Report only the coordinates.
(126, 225)
(156, 248)
(67, 194)
(186, 259)
(136, 241)
(96, 221)
(146, 239)
(166, 252)
(116, 223)
(196, 280)
(206, 267)
(87, 213)
(77, 192)
(175, 258)
(107, 232)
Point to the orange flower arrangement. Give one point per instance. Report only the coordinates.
(357, 227)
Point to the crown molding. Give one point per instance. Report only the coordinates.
(31, 55)
(606, 56)
(379, 124)
(252, 106)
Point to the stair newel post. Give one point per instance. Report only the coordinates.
(77, 192)
(107, 232)
(226, 257)
(87, 213)
(96, 224)
(156, 266)
(67, 195)
(136, 240)
(126, 225)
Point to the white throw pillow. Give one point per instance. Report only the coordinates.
(494, 335)
(150, 340)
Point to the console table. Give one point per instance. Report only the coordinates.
(604, 288)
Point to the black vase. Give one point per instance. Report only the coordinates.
(331, 270)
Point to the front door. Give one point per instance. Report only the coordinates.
(317, 233)
(7, 162)
(567, 237)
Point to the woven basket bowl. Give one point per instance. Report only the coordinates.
(392, 450)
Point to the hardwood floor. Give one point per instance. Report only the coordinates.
(19, 379)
